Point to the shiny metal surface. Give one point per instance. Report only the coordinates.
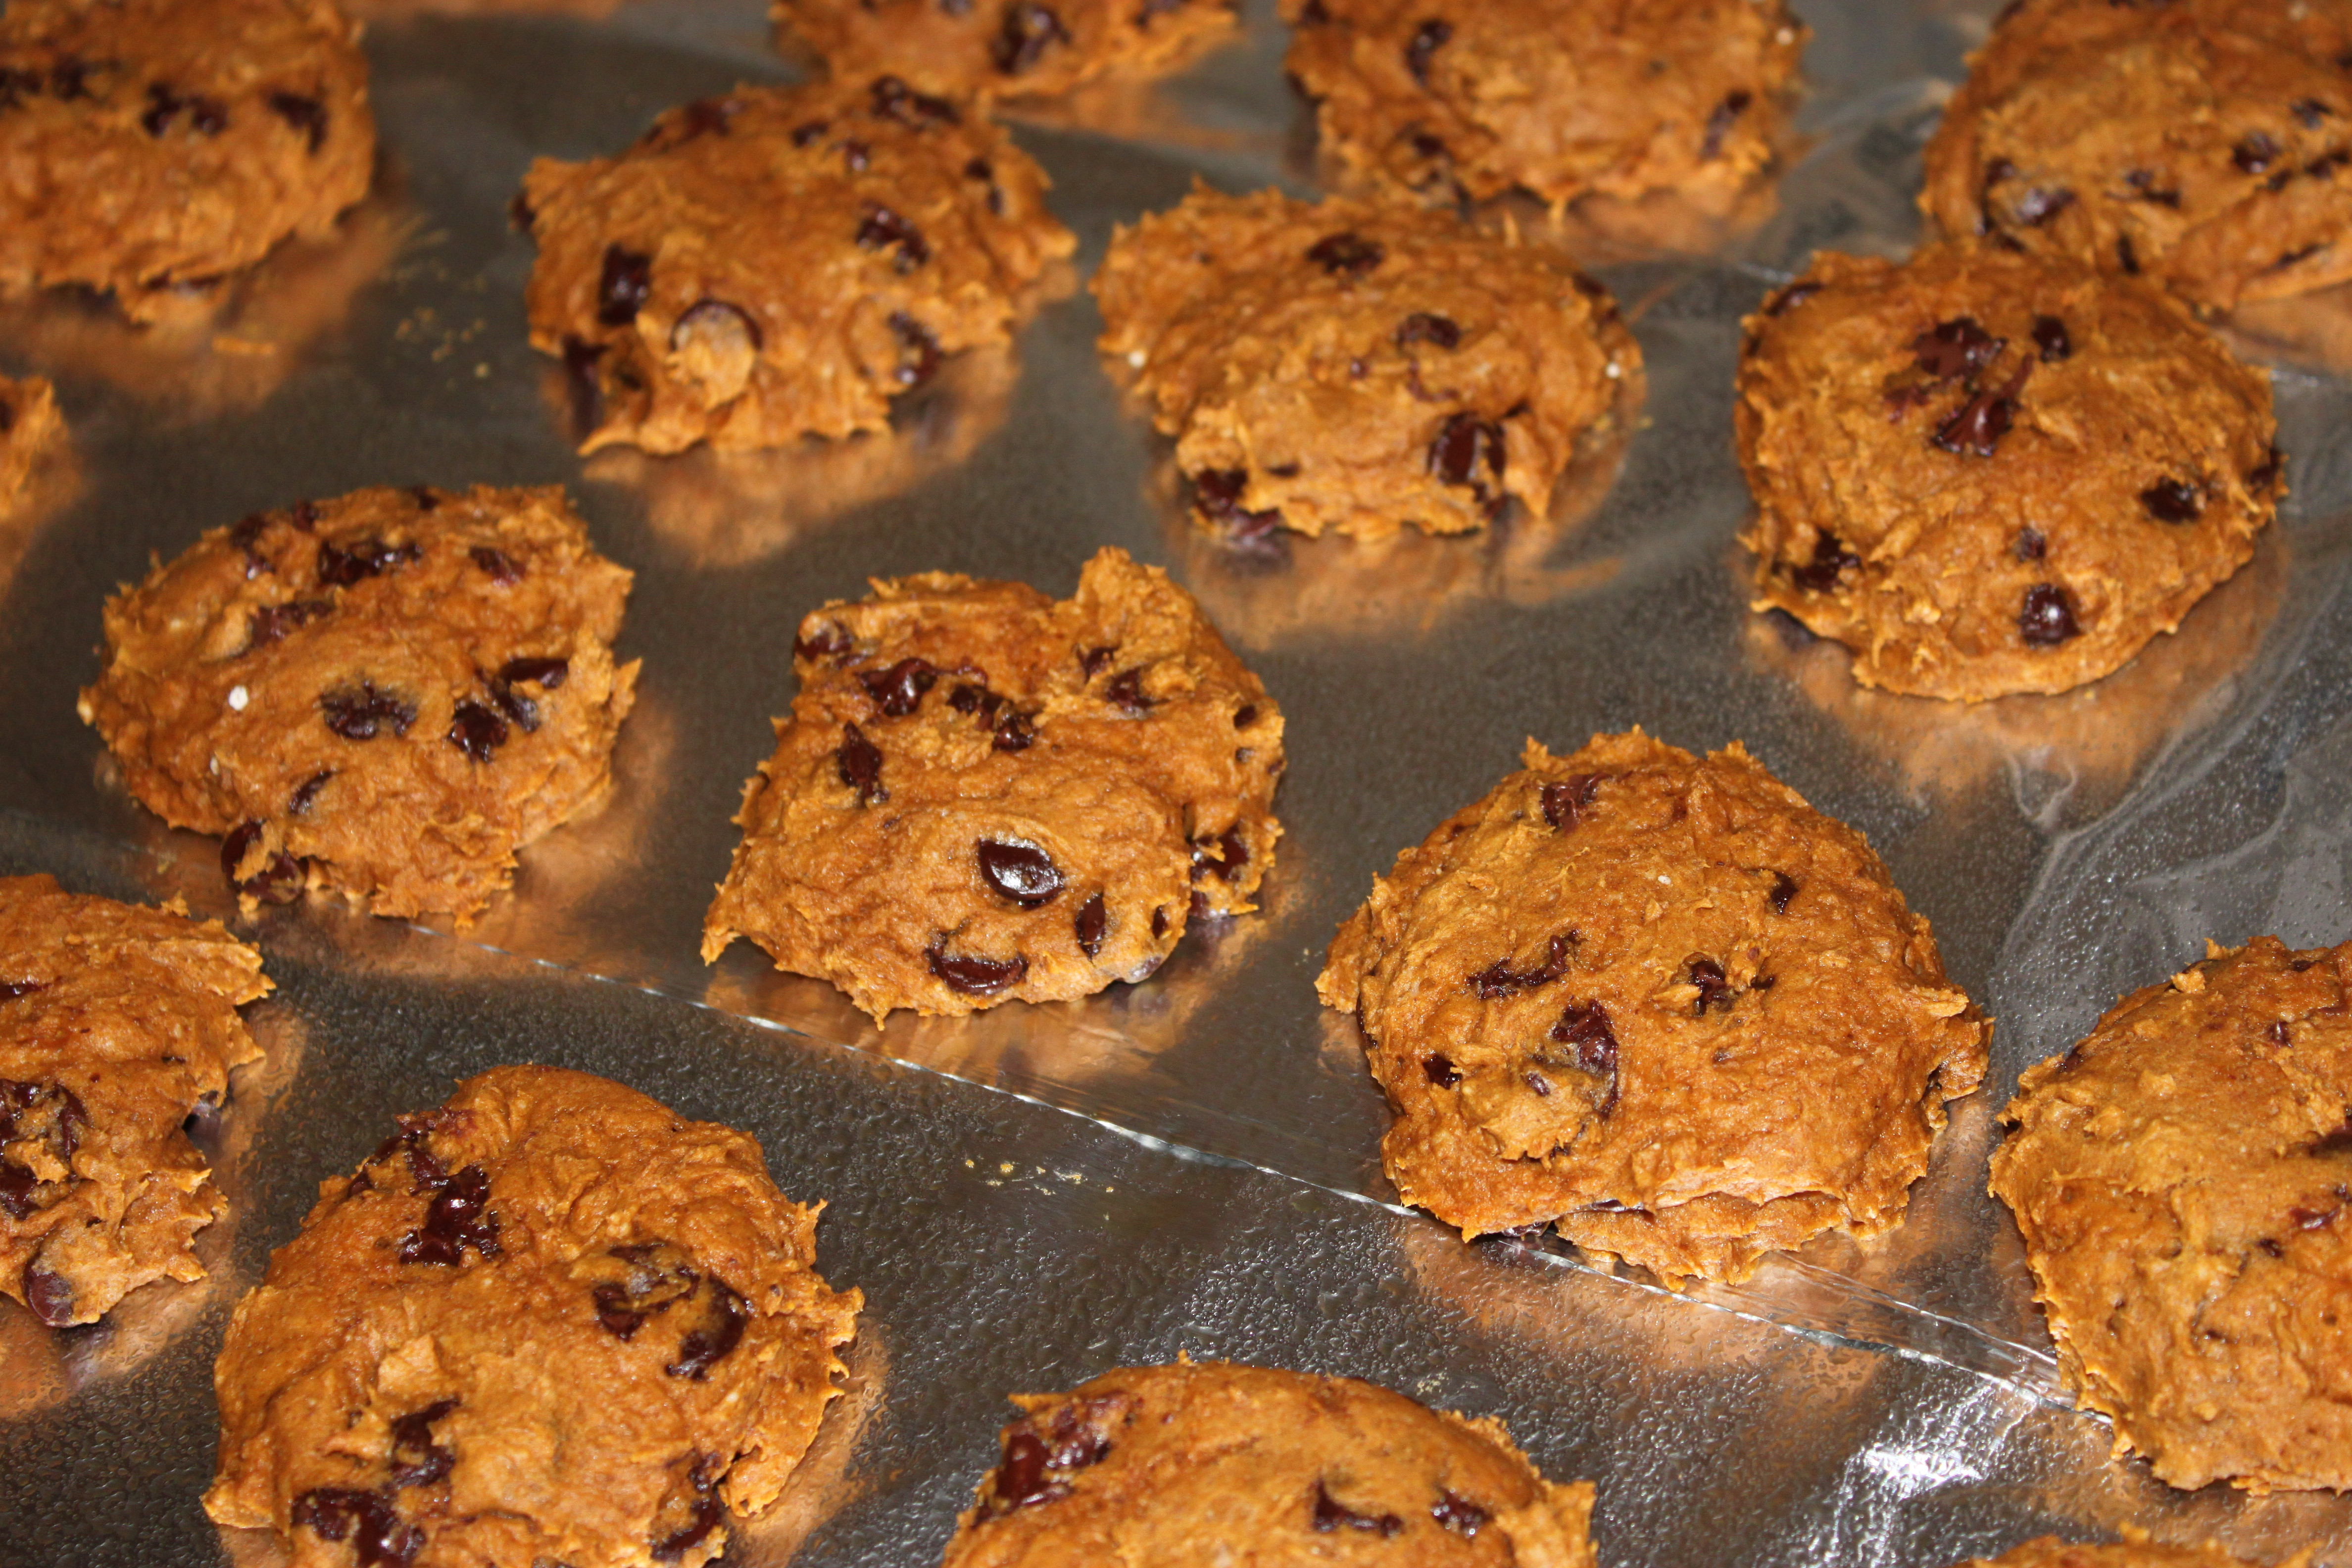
(1217, 1188)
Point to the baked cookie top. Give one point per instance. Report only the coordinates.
(2133, 1552)
(149, 147)
(2181, 1178)
(1660, 1001)
(1561, 98)
(1357, 366)
(1987, 473)
(984, 793)
(116, 1022)
(30, 428)
(1211, 1462)
(782, 262)
(2207, 145)
(550, 1322)
(1005, 46)
(386, 694)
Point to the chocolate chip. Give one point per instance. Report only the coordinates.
(500, 567)
(2125, 257)
(2050, 337)
(70, 79)
(306, 114)
(725, 1314)
(206, 116)
(2255, 153)
(2265, 475)
(703, 117)
(918, 358)
(1423, 327)
(2301, 253)
(1537, 1082)
(900, 689)
(1092, 921)
(974, 976)
(856, 155)
(1231, 855)
(702, 1508)
(1465, 446)
(1217, 494)
(1564, 803)
(271, 623)
(1019, 871)
(1330, 1515)
(1499, 980)
(9, 991)
(587, 390)
(2310, 112)
(1020, 1479)
(830, 640)
(2047, 617)
(1585, 1026)
(1426, 40)
(1029, 29)
(1440, 1071)
(1784, 888)
(1460, 1515)
(1960, 347)
(1789, 299)
(1830, 559)
(455, 1220)
(545, 673)
(859, 762)
(477, 731)
(1125, 691)
(1158, 923)
(416, 1459)
(280, 878)
(368, 557)
(1719, 121)
(306, 794)
(379, 1536)
(893, 99)
(2172, 500)
(361, 713)
(621, 290)
(2335, 1141)
(49, 1296)
(804, 134)
(2030, 545)
(1347, 255)
(2279, 1033)
(723, 326)
(2324, 167)
(2145, 189)
(881, 228)
(2038, 206)
(1713, 990)
(1245, 715)
(1013, 732)
(1976, 426)
(1092, 660)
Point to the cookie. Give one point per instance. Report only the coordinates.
(1990, 473)
(2135, 1550)
(1356, 366)
(548, 1322)
(30, 429)
(984, 793)
(1561, 98)
(386, 694)
(1212, 1462)
(782, 262)
(151, 147)
(1006, 47)
(2180, 1177)
(1658, 1000)
(117, 1023)
(2207, 145)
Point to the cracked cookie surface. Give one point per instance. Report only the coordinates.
(117, 1022)
(1562, 98)
(385, 694)
(1990, 473)
(1659, 1001)
(2183, 1179)
(1358, 366)
(2207, 146)
(150, 147)
(549, 1321)
(983, 793)
(780, 262)
(1212, 1462)
(1006, 47)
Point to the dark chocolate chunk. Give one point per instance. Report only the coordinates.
(1217, 493)
(1830, 559)
(2050, 337)
(1719, 121)
(1960, 347)
(1976, 426)
(544, 673)
(860, 764)
(455, 1220)
(2125, 257)
(1784, 889)
(271, 623)
(1028, 31)
(704, 1346)
(702, 1508)
(306, 114)
(2279, 1033)
(307, 793)
(1564, 803)
(341, 567)
(1092, 660)
(416, 1459)
(1347, 255)
(974, 976)
(715, 319)
(477, 731)
(893, 99)
(918, 357)
(1425, 327)
(2030, 545)
(1458, 1514)
(881, 230)
(2255, 153)
(49, 1296)
(362, 712)
(1330, 1515)
(2173, 500)
(1021, 1479)
(1092, 921)
(830, 640)
(1713, 989)
(1440, 1071)
(1013, 731)
(900, 689)
(1585, 1026)
(500, 567)
(2047, 617)
(1426, 40)
(1125, 691)
(1499, 980)
(1019, 871)
(280, 876)
(380, 1537)
(621, 290)
(1468, 450)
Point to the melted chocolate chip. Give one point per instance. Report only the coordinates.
(1713, 990)
(306, 114)
(1093, 920)
(1464, 446)
(1719, 121)
(362, 712)
(881, 228)
(1125, 692)
(2279, 1033)
(1960, 347)
(1460, 1515)
(1440, 1071)
(2050, 337)
(1347, 255)
(1423, 327)
(900, 689)
(416, 1459)
(9, 991)
(1217, 494)
(704, 1346)
(859, 762)
(1013, 731)
(2172, 500)
(974, 976)
(477, 731)
(1585, 1026)
(2030, 544)
(1830, 559)
(271, 623)
(831, 640)
(2255, 153)
(1427, 39)
(1231, 855)
(497, 565)
(50, 1296)
(378, 1535)
(206, 116)
(455, 1220)
(893, 99)
(856, 155)
(1499, 980)
(307, 793)
(1019, 872)
(1976, 426)
(1028, 31)
(547, 674)
(1021, 1479)
(1564, 803)
(918, 357)
(280, 878)
(1092, 660)
(52, 1116)
(1330, 1515)
(804, 134)
(2047, 616)
(341, 568)
(702, 1508)
(1245, 715)
(1784, 889)
(2125, 257)
(1158, 923)
(703, 117)
(621, 290)
(2309, 112)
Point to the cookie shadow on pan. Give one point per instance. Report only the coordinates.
(2058, 751)
(721, 508)
(41, 1367)
(54, 485)
(230, 348)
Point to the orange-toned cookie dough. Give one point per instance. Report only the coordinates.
(116, 1023)
(1358, 366)
(1006, 47)
(782, 262)
(30, 429)
(983, 793)
(548, 1322)
(386, 694)
(2135, 1550)
(1658, 1000)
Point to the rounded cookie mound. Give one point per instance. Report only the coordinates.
(780, 262)
(983, 793)
(2183, 1179)
(1660, 1001)
(386, 694)
(1562, 98)
(1346, 365)
(1988, 473)
(1028, 47)
(116, 1023)
(1216, 1463)
(2206, 145)
(150, 147)
(547, 1322)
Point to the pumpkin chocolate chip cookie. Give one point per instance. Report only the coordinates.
(983, 793)
(548, 1322)
(1357, 366)
(1988, 473)
(1658, 1000)
(780, 262)
(386, 694)
(2135, 1550)
(1161, 1466)
(2183, 1179)
(116, 1023)
(1006, 47)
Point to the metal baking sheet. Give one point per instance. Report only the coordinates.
(1889, 1403)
